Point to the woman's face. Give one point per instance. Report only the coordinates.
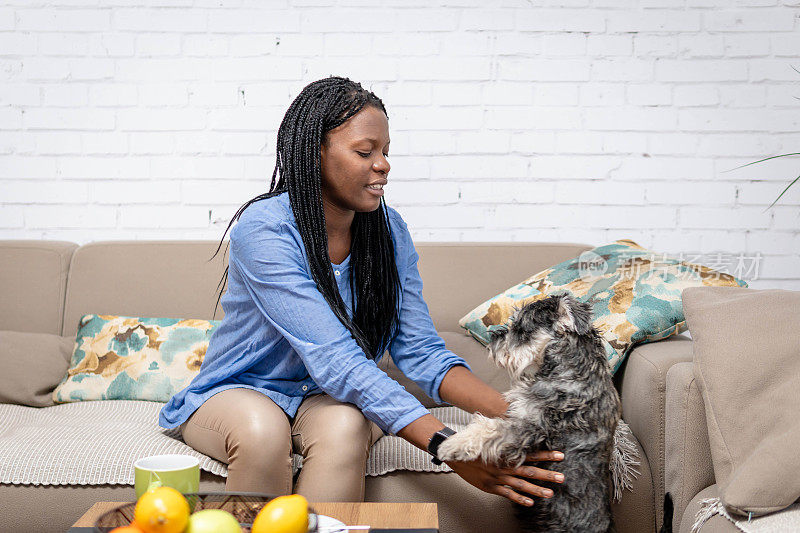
(354, 157)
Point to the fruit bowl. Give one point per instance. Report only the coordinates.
(242, 505)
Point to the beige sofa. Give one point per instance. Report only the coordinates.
(732, 413)
(47, 286)
(689, 472)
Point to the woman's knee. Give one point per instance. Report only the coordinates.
(258, 437)
(248, 423)
(343, 432)
(259, 433)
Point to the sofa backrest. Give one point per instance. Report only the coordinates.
(163, 279)
(458, 277)
(174, 279)
(33, 279)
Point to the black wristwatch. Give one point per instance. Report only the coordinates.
(438, 438)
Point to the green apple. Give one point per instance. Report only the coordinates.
(212, 521)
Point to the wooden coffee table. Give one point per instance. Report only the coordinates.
(405, 517)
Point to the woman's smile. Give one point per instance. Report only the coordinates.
(376, 189)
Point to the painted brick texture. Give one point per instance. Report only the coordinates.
(511, 120)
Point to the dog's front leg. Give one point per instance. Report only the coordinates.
(492, 440)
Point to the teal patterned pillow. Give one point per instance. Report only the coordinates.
(128, 358)
(635, 294)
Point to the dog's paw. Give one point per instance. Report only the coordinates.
(479, 440)
(459, 447)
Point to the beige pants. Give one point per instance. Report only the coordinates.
(247, 430)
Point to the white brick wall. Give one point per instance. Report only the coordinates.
(511, 120)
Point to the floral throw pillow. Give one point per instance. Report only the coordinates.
(129, 358)
(635, 294)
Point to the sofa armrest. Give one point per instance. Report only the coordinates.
(642, 382)
(688, 467)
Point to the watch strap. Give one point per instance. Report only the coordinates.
(437, 439)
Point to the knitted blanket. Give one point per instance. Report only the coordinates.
(780, 522)
(97, 442)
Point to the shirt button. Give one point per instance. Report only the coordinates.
(336, 272)
(305, 387)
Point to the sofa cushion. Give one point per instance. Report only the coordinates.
(462, 507)
(183, 277)
(122, 431)
(129, 358)
(85, 443)
(634, 292)
(33, 280)
(33, 364)
(490, 267)
(751, 391)
(466, 509)
(145, 278)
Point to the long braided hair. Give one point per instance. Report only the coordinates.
(320, 107)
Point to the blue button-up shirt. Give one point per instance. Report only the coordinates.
(280, 337)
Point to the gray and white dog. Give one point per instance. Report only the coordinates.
(562, 398)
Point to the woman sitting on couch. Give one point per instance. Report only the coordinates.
(291, 364)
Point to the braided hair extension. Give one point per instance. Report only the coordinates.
(320, 107)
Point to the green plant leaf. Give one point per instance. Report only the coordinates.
(767, 159)
(762, 160)
(781, 194)
(773, 157)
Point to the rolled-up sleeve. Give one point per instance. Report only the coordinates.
(417, 349)
(272, 267)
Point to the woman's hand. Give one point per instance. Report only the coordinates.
(507, 481)
(489, 478)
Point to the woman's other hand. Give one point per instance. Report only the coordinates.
(489, 478)
(510, 482)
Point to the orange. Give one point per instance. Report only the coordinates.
(162, 510)
(284, 514)
(126, 529)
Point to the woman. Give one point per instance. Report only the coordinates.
(292, 366)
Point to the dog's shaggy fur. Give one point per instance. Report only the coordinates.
(562, 398)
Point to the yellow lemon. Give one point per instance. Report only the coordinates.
(284, 514)
(162, 510)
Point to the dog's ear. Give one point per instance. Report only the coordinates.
(574, 315)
